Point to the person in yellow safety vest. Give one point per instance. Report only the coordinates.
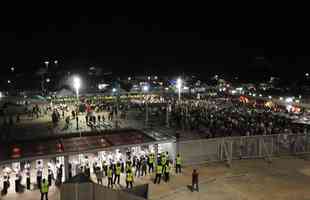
(163, 159)
(44, 189)
(128, 166)
(110, 176)
(159, 170)
(151, 162)
(129, 179)
(117, 173)
(167, 170)
(178, 164)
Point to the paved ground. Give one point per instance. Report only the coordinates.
(284, 179)
(42, 126)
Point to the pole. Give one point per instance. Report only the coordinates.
(77, 104)
(77, 94)
(42, 84)
(146, 113)
(167, 115)
(66, 167)
(179, 93)
(77, 122)
(156, 155)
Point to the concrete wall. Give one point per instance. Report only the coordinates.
(140, 191)
(90, 191)
(76, 191)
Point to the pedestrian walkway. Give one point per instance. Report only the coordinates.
(283, 179)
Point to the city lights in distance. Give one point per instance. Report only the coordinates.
(102, 86)
(289, 100)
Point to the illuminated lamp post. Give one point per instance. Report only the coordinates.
(179, 86)
(146, 89)
(77, 85)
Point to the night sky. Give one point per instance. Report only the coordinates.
(143, 45)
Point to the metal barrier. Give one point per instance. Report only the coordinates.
(246, 147)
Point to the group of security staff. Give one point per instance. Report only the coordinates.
(164, 167)
(137, 166)
(113, 171)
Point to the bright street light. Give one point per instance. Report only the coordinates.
(77, 85)
(145, 88)
(12, 69)
(114, 90)
(179, 86)
(9, 81)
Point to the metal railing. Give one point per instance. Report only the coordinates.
(246, 147)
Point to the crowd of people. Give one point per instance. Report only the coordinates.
(225, 117)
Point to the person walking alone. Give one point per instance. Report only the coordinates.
(44, 189)
(178, 164)
(195, 176)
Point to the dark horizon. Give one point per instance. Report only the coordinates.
(129, 45)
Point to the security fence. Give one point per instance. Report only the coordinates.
(246, 147)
